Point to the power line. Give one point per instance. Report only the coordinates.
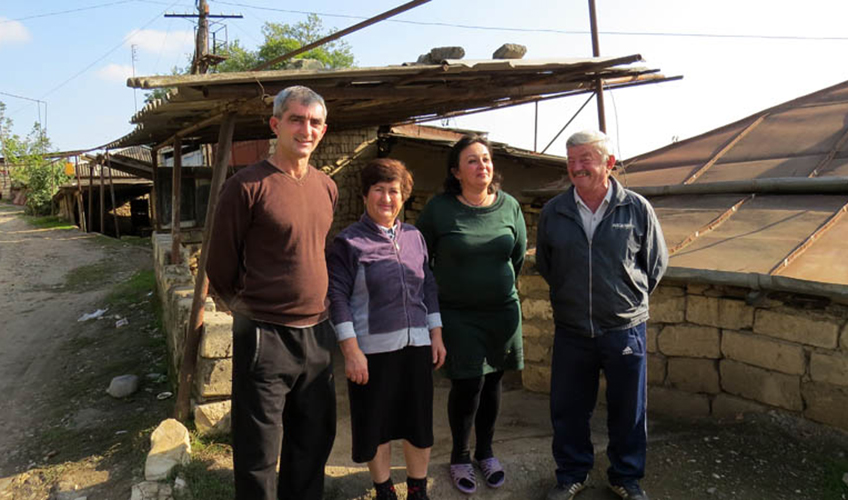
(549, 30)
(69, 11)
(109, 52)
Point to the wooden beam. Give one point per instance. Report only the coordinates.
(215, 118)
(339, 34)
(176, 188)
(91, 196)
(201, 282)
(807, 243)
(112, 191)
(154, 193)
(81, 209)
(727, 147)
(102, 198)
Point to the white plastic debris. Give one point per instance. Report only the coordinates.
(164, 395)
(122, 322)
(94, 315)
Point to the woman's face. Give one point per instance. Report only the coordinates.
(383, 202)
(475, 168)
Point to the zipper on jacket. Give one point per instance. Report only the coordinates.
(591, 323)
(403, 284)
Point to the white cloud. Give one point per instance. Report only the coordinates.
(115, 72)
(156, 42)
(13, 31)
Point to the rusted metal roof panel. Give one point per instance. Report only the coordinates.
(801, 147)
(762, 233)
(826, 260)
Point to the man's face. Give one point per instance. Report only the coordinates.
(587, 171)
(299, 130)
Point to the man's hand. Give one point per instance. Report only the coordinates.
(356, 364)
(438, 347)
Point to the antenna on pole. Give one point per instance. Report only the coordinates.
(133, 51)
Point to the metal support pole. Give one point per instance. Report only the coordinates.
(596, 52)
(201, 282)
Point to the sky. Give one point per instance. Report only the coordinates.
(70, 60)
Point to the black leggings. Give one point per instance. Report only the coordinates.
(474, 400)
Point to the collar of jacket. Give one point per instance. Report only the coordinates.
(567, 206)
(370, 224)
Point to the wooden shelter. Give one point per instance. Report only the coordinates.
(221, 108)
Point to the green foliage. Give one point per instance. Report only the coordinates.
(27, 165)
(283, 38)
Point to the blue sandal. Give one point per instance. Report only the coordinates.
(463, 478)
(492, 471)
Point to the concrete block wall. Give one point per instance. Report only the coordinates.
(714, 352)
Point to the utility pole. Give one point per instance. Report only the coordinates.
(202, 58)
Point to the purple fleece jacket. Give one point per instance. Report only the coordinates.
(381, 290)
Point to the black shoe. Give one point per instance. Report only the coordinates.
(630, 491)
(566, 491)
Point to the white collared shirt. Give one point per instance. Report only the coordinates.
(592, 219)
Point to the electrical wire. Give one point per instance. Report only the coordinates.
(108, 53)
(548, 30)
(69, 11)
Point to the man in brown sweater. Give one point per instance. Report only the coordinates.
(266, 262)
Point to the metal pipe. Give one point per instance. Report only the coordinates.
(775, 185)
(339, 34)
(596, 52)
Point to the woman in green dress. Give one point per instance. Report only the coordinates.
(476, 239)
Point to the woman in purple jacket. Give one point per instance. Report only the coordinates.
(385, 309)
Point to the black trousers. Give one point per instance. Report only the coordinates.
(283, 390)
(474, 401)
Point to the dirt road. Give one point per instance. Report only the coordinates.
(34, 315)
(53, 369)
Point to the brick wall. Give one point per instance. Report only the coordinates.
(722, 351)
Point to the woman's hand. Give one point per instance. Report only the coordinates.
(356, 364)
(438, 347)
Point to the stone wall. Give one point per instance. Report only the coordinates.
(175, 289)
(721, 351)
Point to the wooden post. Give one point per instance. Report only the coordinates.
(114, 207)
(102, 199)
(83, 225)
(154, 194)
(176, 182)
(201, 283)
(90, 196)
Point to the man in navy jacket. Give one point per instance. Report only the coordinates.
(601, 250)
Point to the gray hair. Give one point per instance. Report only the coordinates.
(303, 95)
(599, 140)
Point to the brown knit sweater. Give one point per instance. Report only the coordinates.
(266, 257)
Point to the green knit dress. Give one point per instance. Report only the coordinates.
(476, 254)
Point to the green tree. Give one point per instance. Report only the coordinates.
(283, 38)
(28, 167)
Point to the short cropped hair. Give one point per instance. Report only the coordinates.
(299, 93)
(600, 141)
(386, 170)
(451, 184)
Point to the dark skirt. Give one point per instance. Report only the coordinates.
(396, 403)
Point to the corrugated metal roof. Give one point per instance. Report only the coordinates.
(364, 97)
